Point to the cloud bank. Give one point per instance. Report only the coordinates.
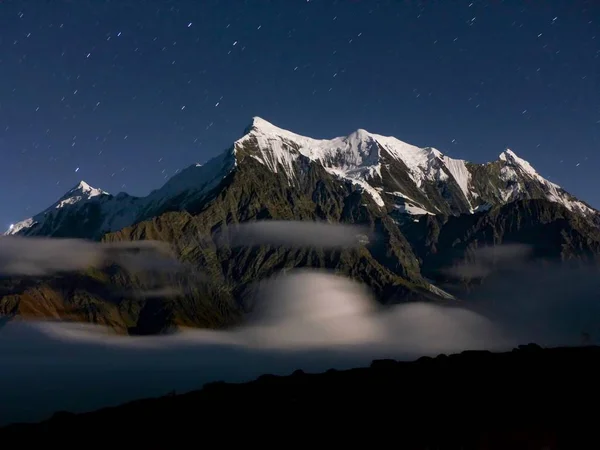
(484, 261)
(308, 319)
(40, 256)
(296, 234)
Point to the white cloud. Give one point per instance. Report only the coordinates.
(296, 234)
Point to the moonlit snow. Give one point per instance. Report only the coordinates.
(356, 158)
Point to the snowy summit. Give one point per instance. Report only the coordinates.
(402, 179)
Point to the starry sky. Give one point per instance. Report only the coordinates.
(124, 93)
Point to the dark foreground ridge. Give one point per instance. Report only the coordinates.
(528, 398)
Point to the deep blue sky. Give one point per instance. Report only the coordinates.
(101, 85)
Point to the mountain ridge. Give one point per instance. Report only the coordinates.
(401, 178)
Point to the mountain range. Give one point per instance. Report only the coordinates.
(397, 177)
(427, 210)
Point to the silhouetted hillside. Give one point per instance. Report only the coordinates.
(528, 398)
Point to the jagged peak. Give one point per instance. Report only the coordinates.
(82, 191)
(362, 133)
(259, 122)
(360, 149)
(360, 139)
(508, 154)
(511, 157)
(262, 126)
(83, 185)
(83, 188)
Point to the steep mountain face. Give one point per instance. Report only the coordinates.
(544, 230)
(421, 205)
(404, 179)
(249, 193)
(512, 178)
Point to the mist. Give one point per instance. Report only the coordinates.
(295, 233)
(305, 319)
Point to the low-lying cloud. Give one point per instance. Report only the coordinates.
(484, 261)
(41, 256)
(308, 319)
(296, 234)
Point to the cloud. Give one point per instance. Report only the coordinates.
(296, 234)
(308, 319)
(483, 261)
(306, 308)
(151, 262)
(550, 303)
(317, 309)
(40, 256)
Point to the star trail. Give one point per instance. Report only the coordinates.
(123, 94)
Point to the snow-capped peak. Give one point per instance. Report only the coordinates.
(365, 158)
(511, 157)
(508, 153)
(553, 192)
(357, 157)
(359, 149)
(82, 191)
(352, 150)
(398, 176)
(89, 191)
(261, 125)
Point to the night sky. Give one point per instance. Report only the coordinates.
(123, 93)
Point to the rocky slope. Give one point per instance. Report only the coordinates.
(387, 265)
(536, 230)
(417, 202)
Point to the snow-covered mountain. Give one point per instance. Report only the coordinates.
(81, 192)
(402, 180)
(407, 178)
(87, 212)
